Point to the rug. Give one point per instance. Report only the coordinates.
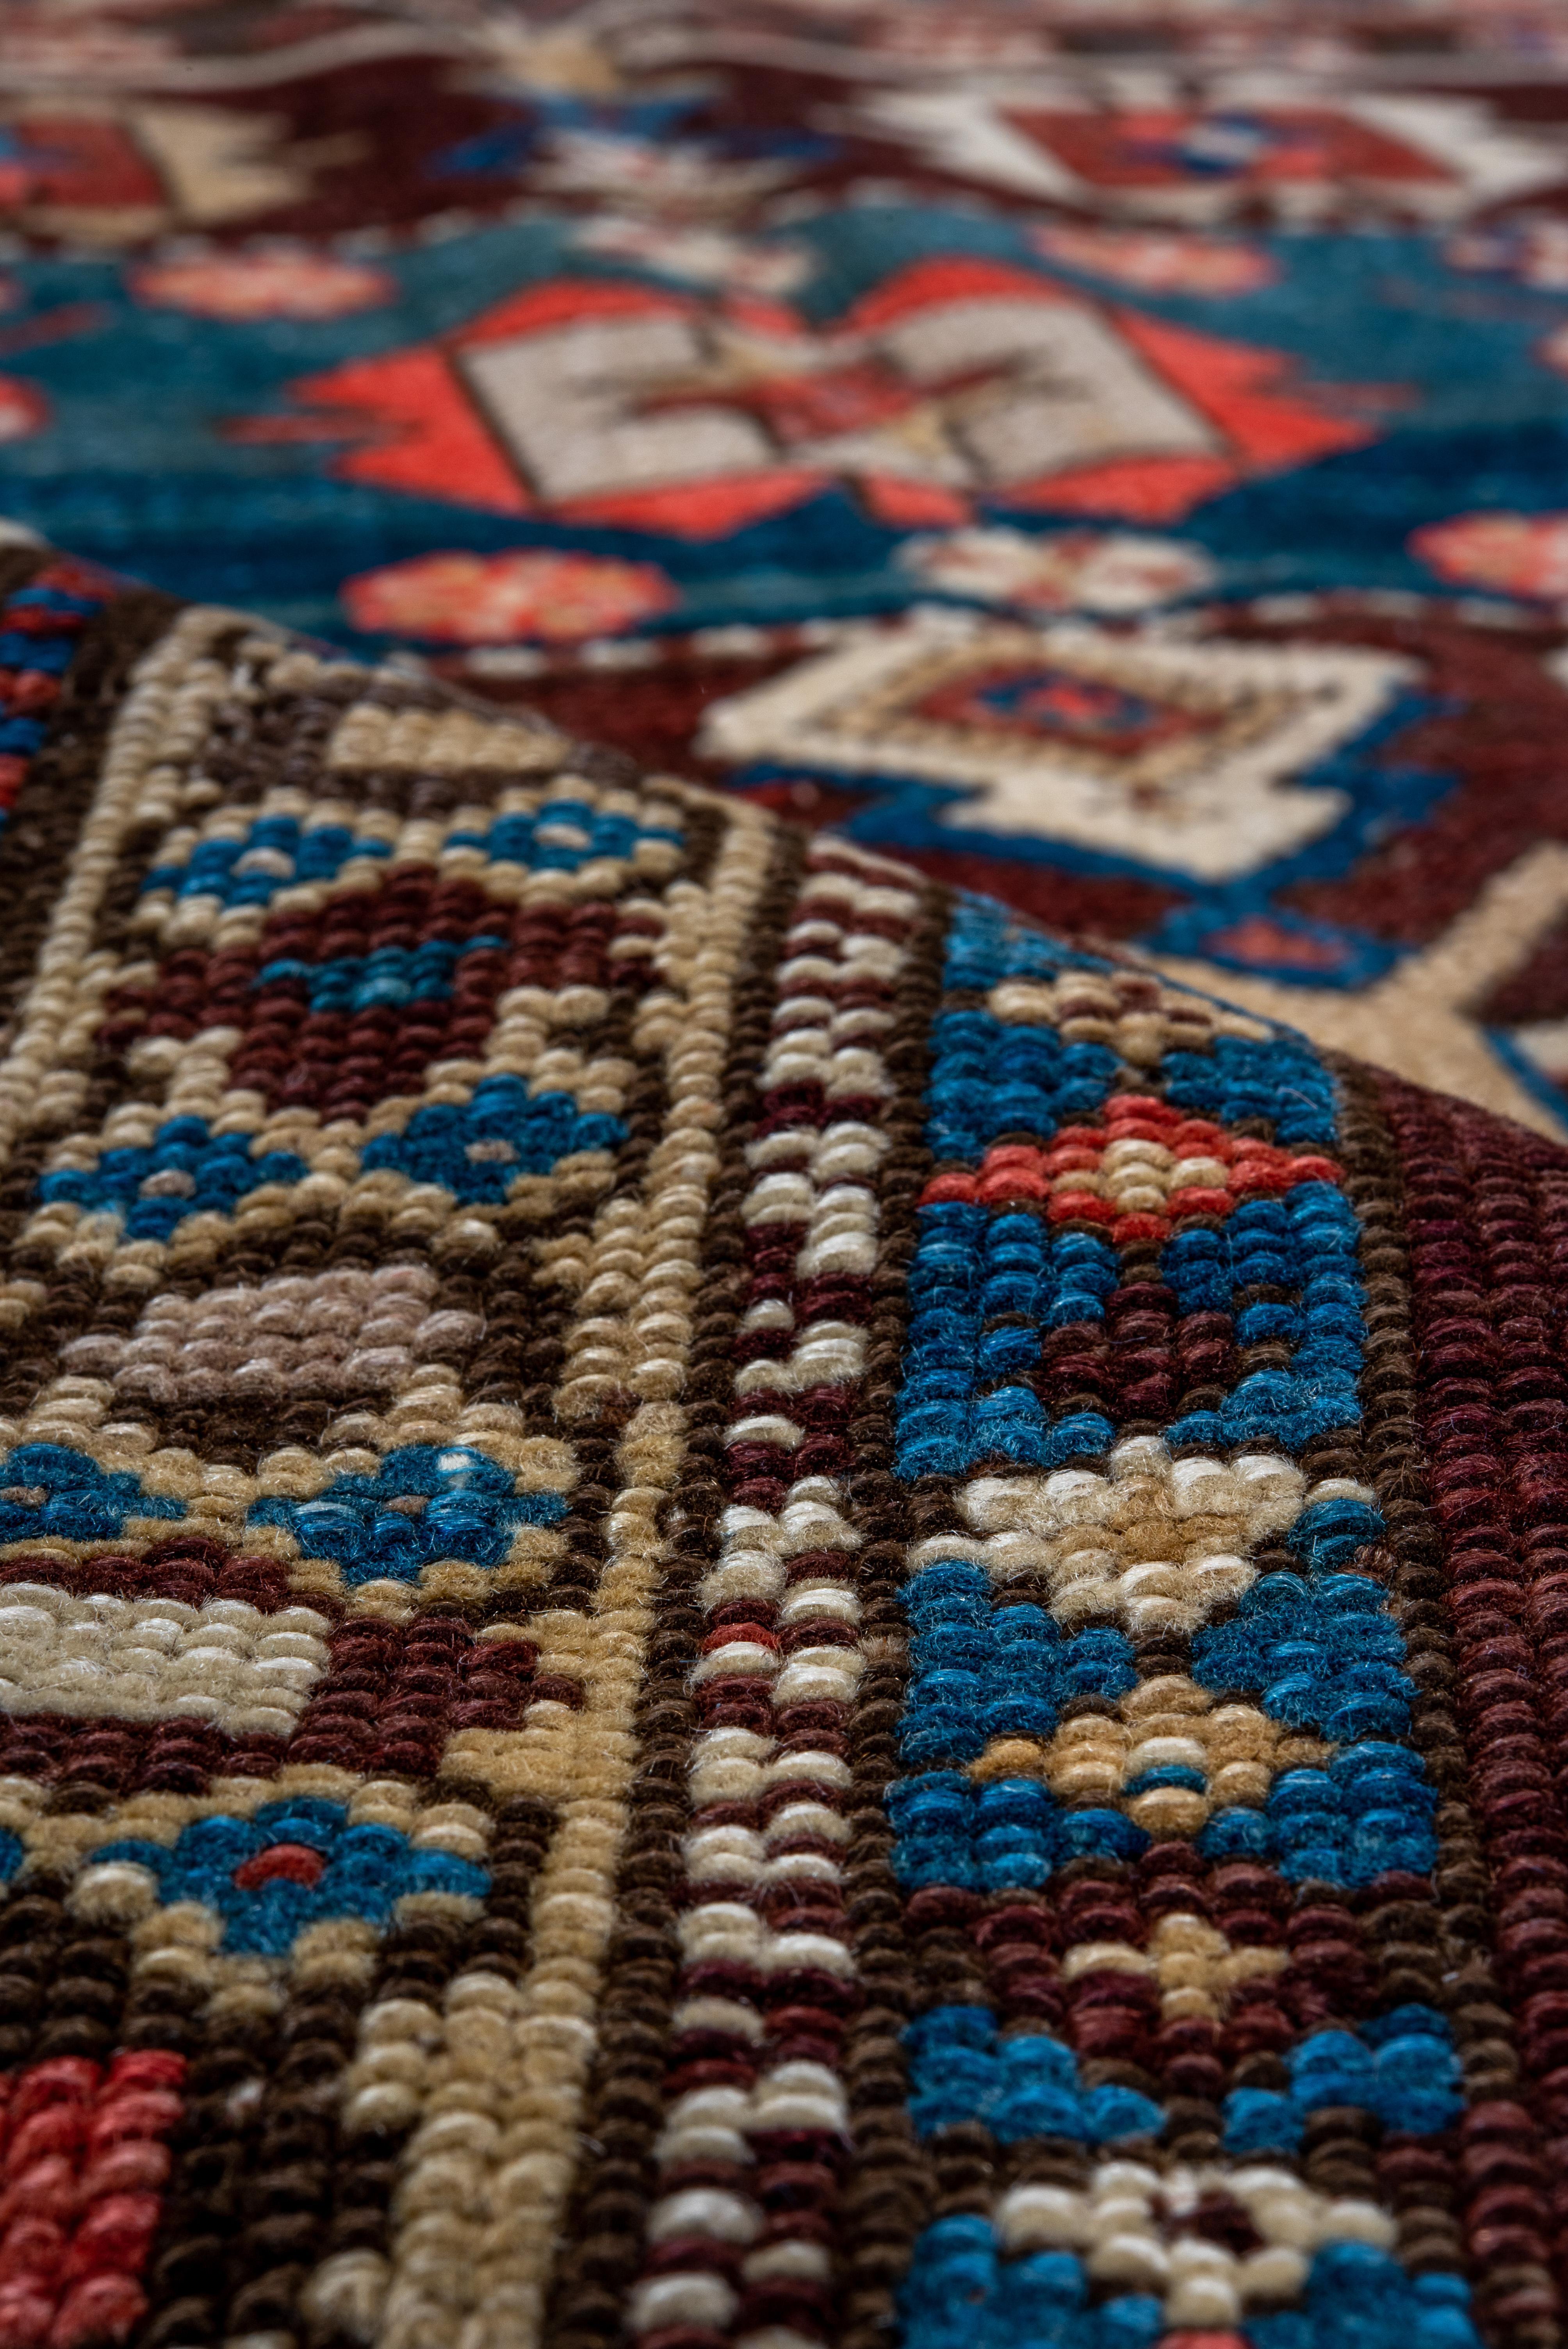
(1110, 456)
(737, 1606)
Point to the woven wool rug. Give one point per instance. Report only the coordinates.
(1108, 453)
(738, 1604)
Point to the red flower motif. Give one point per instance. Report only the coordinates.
(286, 283)
(1512, 554)
(478, 599)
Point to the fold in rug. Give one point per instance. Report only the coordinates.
(739, 1604)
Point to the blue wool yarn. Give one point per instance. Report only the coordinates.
(277, 853)
(21, 736)
(1261, 2121)
(1305, 1242)
(1011, 1834)
(1040, 2297)
(1280, 1078)
(1026, 2085)
(948, 2297)
(933, 1826)
(477, 1152)
(63, 600)
(562, 836)
(1321, 1651)
(365, 1870)
(1371, 1811)
(1196, 1264)
(961, 2294)
(971, 1265)
(50, 656)
(186, 1171)
(985, 944)
(1402, 2068)
(471, 1512)
(1327, 1535)
(1359, 2298)
(392, 976)
(981, 1671)
(69, 1497)
(1015, 1262)
(991, 1077)
(1084, 1273)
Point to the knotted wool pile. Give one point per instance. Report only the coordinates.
(1107, 454)
(740, 1605)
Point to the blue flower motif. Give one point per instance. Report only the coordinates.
(967, 1386)
(1358, 2295)
(1368, 1813)
(276, 853)
(187, 1171)
(1402, 2067)
(48, 1488)
(297, 1863)
(280, 851)
(422, 1504)
(394, 976)
(962, 2294)
(562, 836)
(477, 1153)
(1322, 1650)
(1027, 2086)
(12, 1853)
(997, 1837)
(984, 1671)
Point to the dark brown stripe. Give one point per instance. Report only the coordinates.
(62, 1981)
(705, 824)
(890, 2188)
(1503, 2162)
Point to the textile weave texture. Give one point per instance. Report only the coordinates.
(737, 1606)
(1107, 453)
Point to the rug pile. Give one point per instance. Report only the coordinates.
(748, 1601)
(736, 1605)
(1110, 456)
